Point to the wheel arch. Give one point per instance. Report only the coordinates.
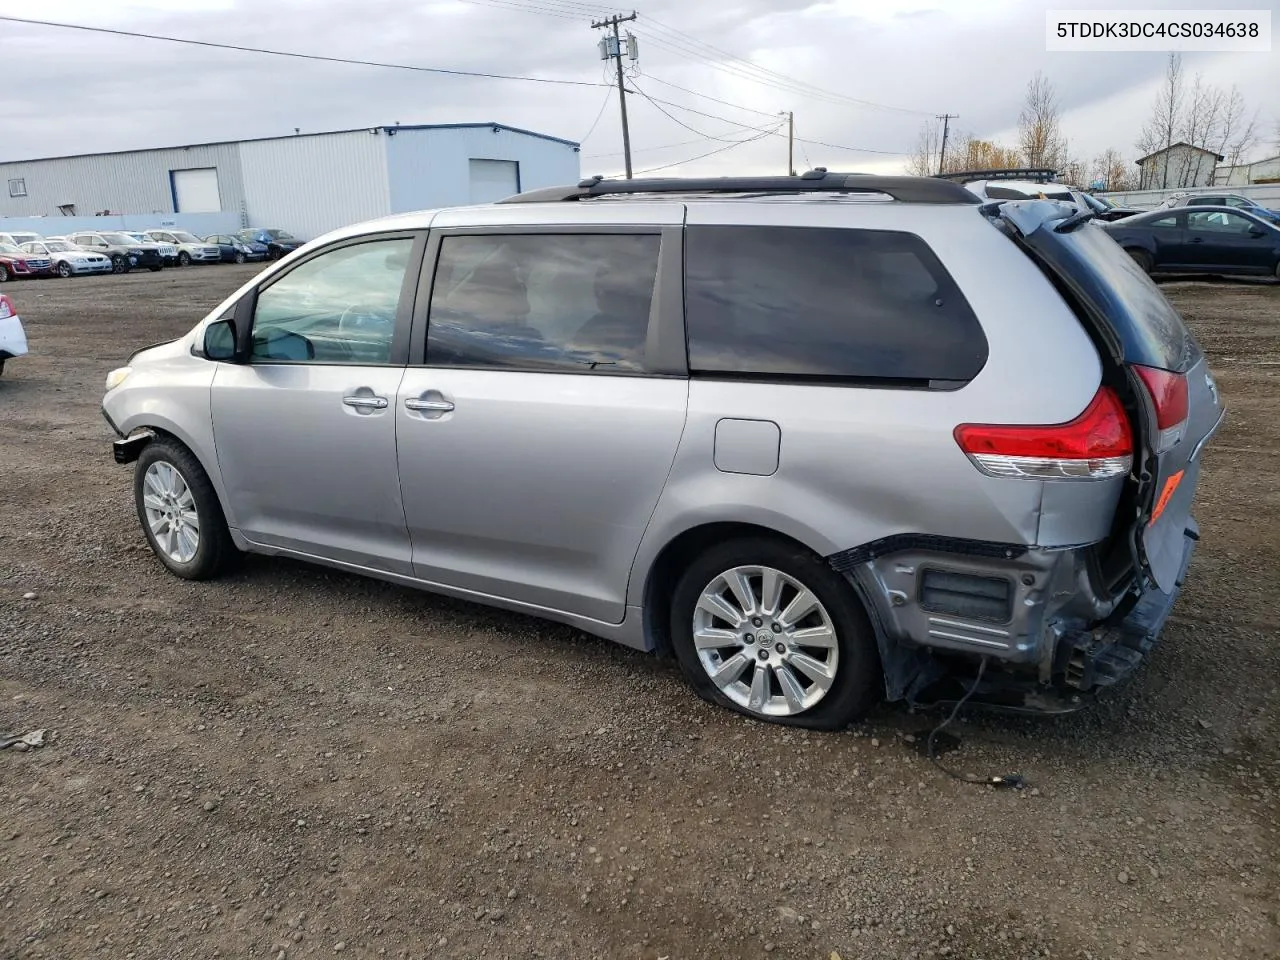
(166, 429)
(663, 573)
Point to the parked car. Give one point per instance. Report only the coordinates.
(1220, 240)
(168, 251)
(124, 251)
(18, 238)
(13, 339)
(1106, 209)
(15, 264)
(807, 446)
(1013, 184)
(68, 259)
(234, 249)
(278, 242)
(190, 248)
(1244, 204)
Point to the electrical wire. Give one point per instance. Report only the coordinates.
(299, 56)
(705, 96)
(596, 122)
(657, 106)
(1007, 780)
(701, 113)
(665, 146)
(836, 146)
(709, 153)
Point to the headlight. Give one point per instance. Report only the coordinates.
(117, 377)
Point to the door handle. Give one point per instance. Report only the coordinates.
(435, 406)
(366, 402)
(1197, 239)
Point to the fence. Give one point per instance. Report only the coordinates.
(1267, 194)
(201, 224)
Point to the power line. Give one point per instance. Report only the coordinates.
(711, 153)
(596, 122)
(701, 113)
(299, 56)
(657, 106)
(705, 96)
(665, 146)
(836, 146)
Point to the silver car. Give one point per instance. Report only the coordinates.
(826, 439)
(68, 259)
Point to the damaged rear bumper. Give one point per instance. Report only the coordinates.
(1050, 632)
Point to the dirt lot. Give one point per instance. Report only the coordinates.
(298, 763)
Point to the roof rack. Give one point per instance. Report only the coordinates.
(1038, 174)
(818, 180)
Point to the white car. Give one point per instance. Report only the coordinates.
(190, 248)
(13, 339)
(68, 259)
(18, 238)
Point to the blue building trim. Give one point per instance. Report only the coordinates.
(173, 190)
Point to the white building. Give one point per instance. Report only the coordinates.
(306, 184)
(1178, 165)
(1243, 174)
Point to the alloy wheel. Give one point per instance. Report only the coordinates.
(171, 512)
(765, 640)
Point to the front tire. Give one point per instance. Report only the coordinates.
(4, 273)
(240, 257)
(766, 628)
(119, 264)
(156, 268)
(1142, 259)
(64, 269)
(180, 513)
(184, 259)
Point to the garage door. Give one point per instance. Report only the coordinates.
(196, 191)
(494, 180)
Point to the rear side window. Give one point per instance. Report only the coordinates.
(798, 302)
(552, 302)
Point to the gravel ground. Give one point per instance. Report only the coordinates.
(298, 763)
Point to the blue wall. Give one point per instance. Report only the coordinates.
(201, 224)
(430, 167)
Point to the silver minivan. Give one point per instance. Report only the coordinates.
(826, 439)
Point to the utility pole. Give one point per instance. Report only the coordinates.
(791, 143)
(946, 119)
(614, 50)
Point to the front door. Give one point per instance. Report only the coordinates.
(305, 431)
(536, 439)
(1224, 244)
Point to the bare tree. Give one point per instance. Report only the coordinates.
(970, 153)
(1200, 125)
(1162, 126)
(1110, 169)
(1238, 134)
(1039, 137)
(924, 159)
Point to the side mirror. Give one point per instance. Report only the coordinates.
(220, 341)
(1257, 232)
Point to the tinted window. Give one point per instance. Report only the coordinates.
(1217, 222)
(543, 302)
(1149, 330)
(1164, 223)
(799, 302)
(339, 307)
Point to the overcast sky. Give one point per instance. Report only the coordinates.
(72, 92)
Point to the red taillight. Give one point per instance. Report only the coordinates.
(1169, 394)
(1095, 445)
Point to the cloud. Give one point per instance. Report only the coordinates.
(97, 92)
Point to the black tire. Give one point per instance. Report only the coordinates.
(1141, 258)
(240, 257)
(156, 268)
(64, 269)
(1, 366)
(184, 259)
(120, 265)
(859, 679)
(215, 550)
(4, 273)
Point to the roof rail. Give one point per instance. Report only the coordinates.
(1038, 174)
(819, 180)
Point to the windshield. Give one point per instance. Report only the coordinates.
(279, 234)
(59, 246)
(183, 237)
(10, 249)
(122, 239)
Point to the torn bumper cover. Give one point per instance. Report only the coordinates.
(1040, 615)
(126, 449)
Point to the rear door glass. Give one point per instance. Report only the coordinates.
(804, 303)
(1148, 329)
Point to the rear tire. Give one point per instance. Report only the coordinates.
(778, 677)
(1142, 259)
(170, 490)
